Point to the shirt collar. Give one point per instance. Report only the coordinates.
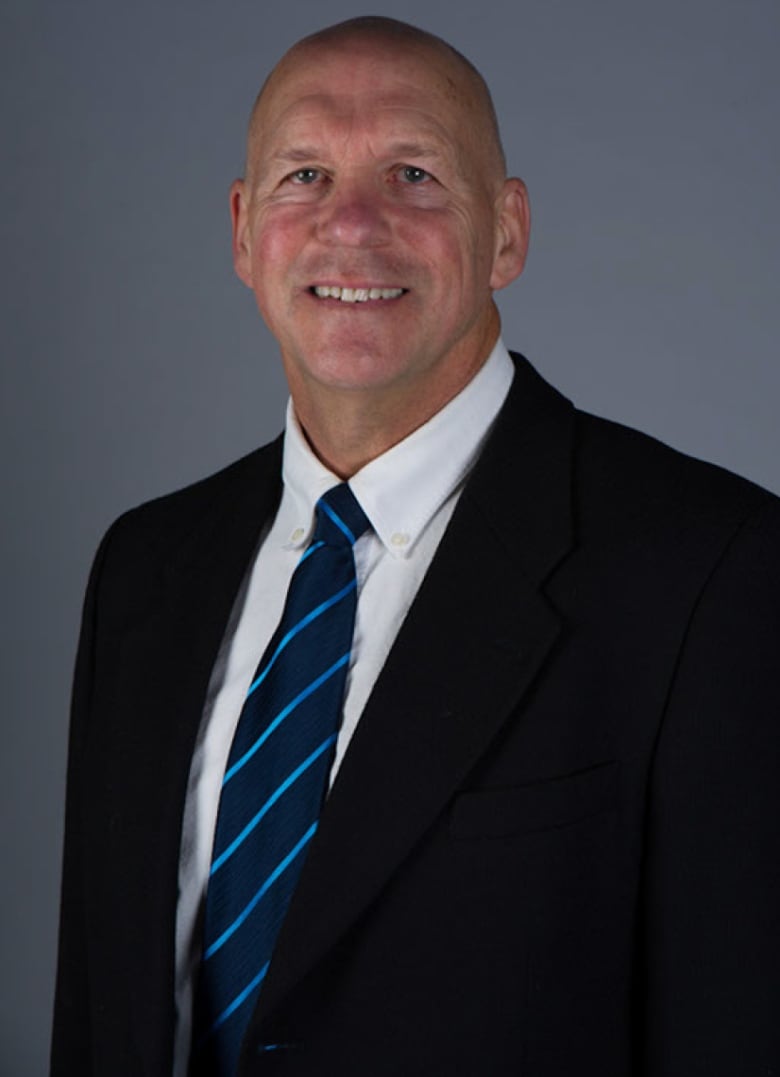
(401, 490)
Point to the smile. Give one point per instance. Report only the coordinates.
(355, 295)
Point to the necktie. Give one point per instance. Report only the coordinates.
(275, 781)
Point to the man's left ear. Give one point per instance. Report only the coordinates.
(239, 216)
(513, 227)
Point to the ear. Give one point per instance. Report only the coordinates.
(513, 227)
(239, 216)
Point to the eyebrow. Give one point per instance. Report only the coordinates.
(414, 149)
(297, 154)
(306, 154)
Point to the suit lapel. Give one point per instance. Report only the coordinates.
(469, 649)
(166, 663)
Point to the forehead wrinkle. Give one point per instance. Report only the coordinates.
(280, 105)
(307, 153)
(308, 136)
(322, 108)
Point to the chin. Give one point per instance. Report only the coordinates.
(349, 365)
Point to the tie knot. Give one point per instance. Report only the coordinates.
(340, 519)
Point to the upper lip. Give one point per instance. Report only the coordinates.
(354, 284)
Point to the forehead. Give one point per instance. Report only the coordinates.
(385, 90)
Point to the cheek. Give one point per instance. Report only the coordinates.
(460, 248)
(465, 273)
(276, 237)
(272, 256)
(269, 253)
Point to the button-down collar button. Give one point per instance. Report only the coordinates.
(297, 534)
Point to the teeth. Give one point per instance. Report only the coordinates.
(356, 295)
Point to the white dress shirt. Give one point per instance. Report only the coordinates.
(408, 494)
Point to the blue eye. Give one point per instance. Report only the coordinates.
(412, 174)
(305, 175)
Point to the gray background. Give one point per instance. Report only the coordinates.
(134, 362)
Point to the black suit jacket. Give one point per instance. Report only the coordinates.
(552, 848)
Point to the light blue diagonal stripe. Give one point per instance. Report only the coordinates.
(338, 521)
(241, 997)
(278, 870)
(220, 860)
(315, 684)
(307, 620)
(309, 550)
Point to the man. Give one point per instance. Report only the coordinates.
(550, 841)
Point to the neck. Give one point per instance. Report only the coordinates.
(348, 428)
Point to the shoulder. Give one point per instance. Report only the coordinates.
(632, 500)
(679, 527)
(632, 478)
(208, 526)
(641, 484)
(253, 480)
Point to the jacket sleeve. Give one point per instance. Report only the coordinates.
(712, 892)
(71, 1038)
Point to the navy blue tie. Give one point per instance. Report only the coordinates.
(275, 782)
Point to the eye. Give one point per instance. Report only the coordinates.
(305, 176)
(412, 174)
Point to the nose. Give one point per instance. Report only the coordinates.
(354, 216)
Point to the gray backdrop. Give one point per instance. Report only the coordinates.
(134, 361)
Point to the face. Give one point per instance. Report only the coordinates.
(371, 228)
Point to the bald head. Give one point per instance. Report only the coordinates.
(371, 34)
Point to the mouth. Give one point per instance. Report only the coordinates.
(356, 295)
